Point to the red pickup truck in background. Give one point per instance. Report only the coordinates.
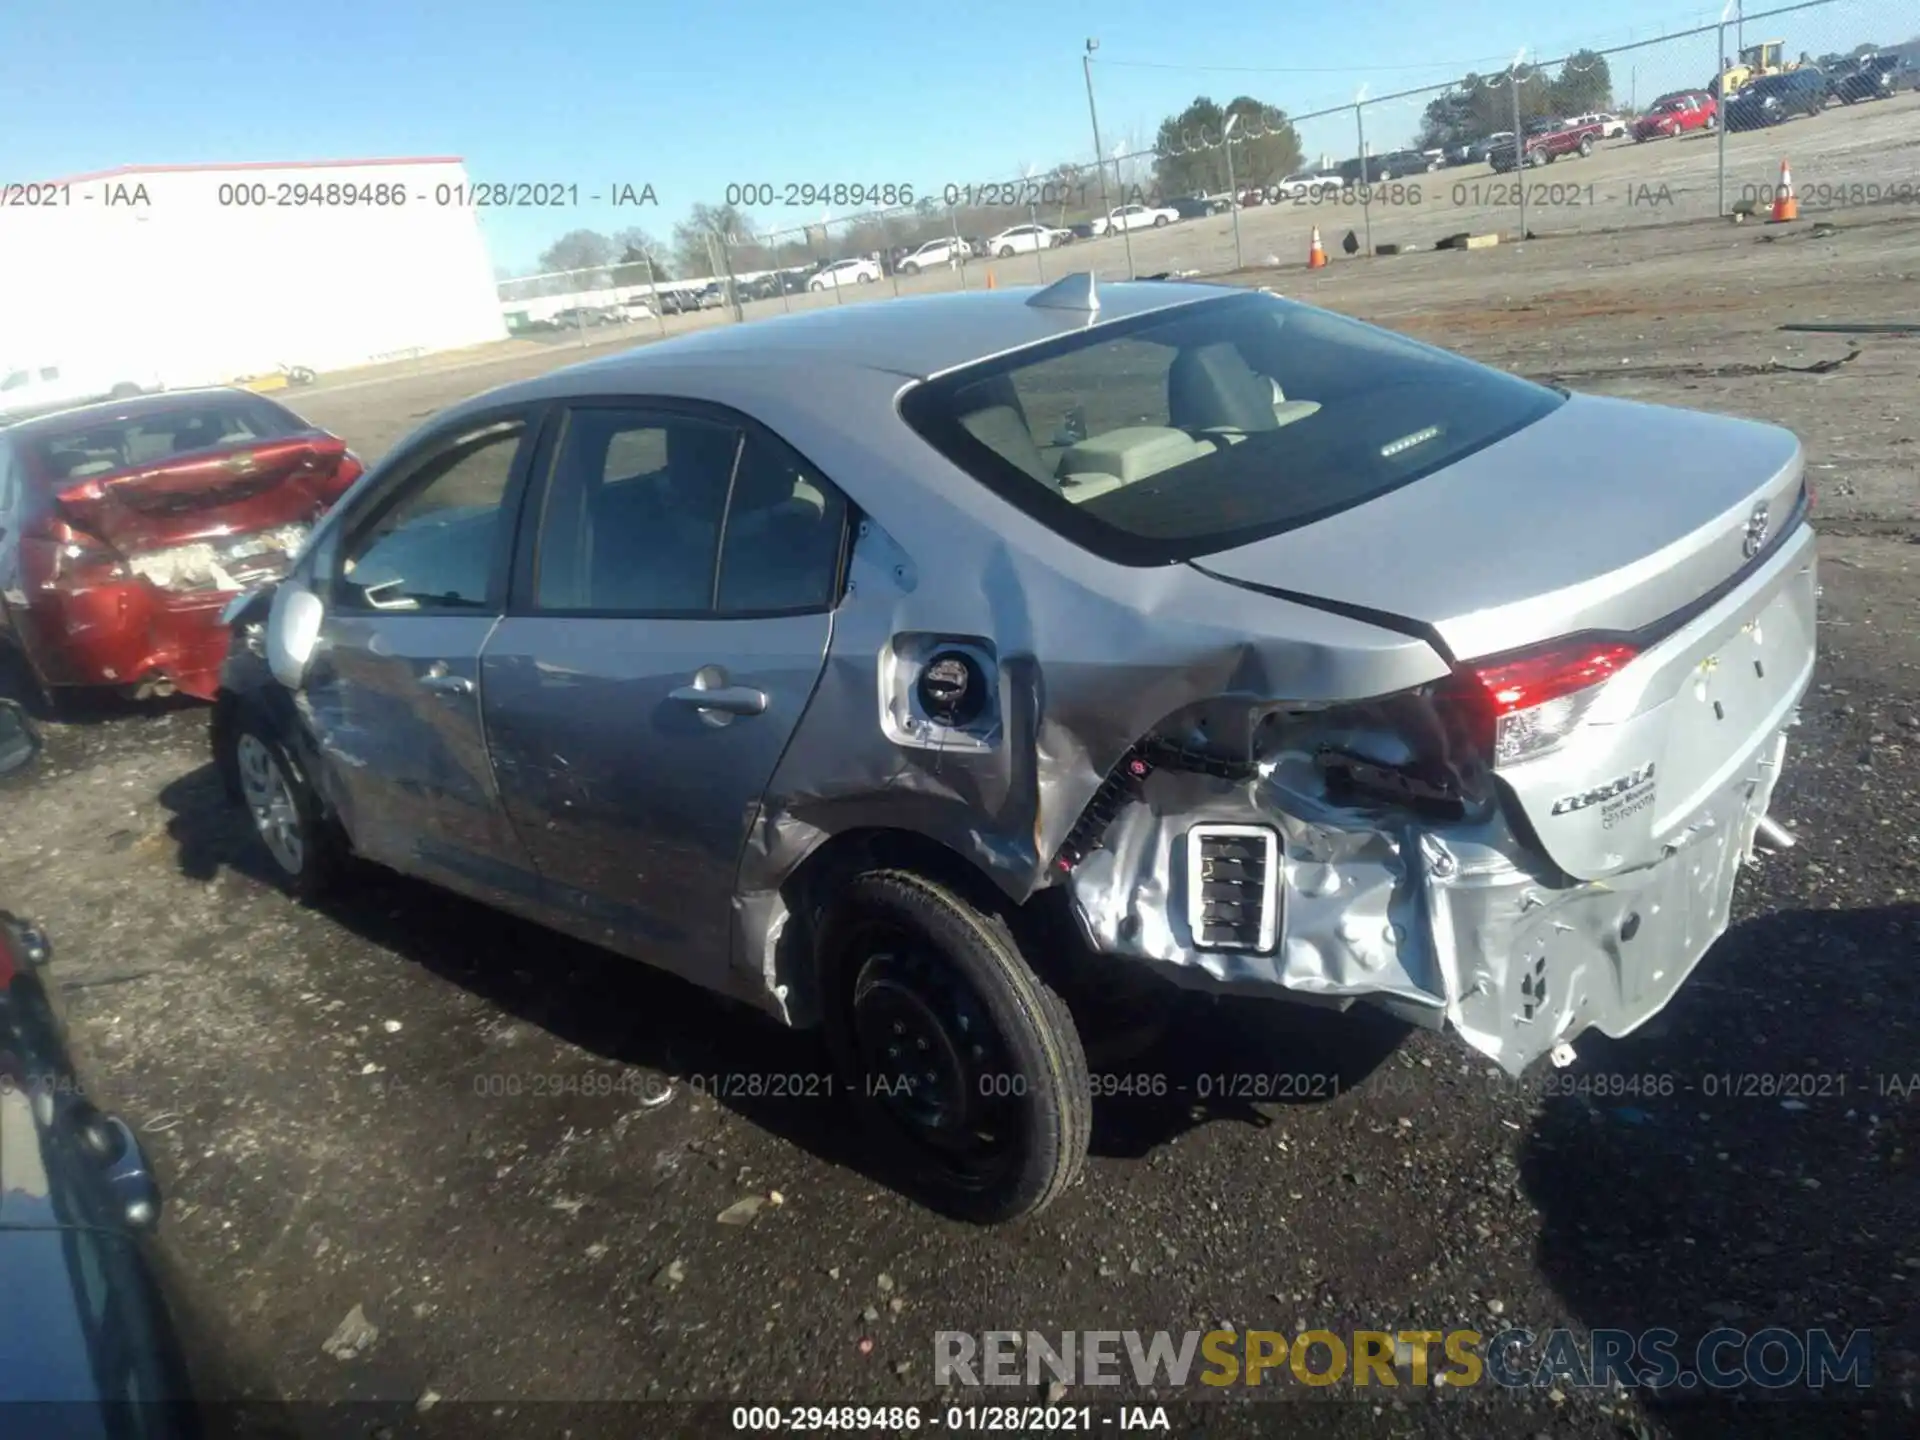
(1547, 140)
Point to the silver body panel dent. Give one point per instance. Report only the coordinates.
(1122, 651)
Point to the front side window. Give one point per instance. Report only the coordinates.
(631, 523)
(1180, 434)
(432, 546)
(666, 514)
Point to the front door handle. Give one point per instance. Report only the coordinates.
(729, 699)
(437, 678)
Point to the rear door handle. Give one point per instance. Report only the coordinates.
(728, 699)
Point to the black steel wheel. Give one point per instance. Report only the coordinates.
(966, 1067)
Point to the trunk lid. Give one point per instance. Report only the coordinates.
(231, 490)
(1606, 515)
(1607, 524)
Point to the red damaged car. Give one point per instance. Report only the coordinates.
(1676, 114)
(126, 527)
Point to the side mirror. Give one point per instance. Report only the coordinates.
(293, 629)
(1073, 428)
(19, 738)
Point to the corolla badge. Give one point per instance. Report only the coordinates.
(1756, 537)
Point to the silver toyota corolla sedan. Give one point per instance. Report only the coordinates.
(898, 666)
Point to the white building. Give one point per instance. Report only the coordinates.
(203, 273)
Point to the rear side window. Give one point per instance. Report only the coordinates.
(1180, 434)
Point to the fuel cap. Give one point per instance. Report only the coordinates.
(951, 689)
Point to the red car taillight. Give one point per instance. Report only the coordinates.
(348, 470)
(73, 559)
(1522, 706)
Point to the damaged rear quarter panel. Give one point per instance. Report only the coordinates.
(1089, 657)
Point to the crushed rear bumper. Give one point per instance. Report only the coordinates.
(129, 634)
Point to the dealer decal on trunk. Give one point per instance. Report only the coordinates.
(1617, 799)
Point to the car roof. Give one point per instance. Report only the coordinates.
(132, 408)
(916, 336)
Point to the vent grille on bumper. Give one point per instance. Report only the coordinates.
(1233, 887)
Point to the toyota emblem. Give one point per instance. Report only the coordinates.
(1756, 531)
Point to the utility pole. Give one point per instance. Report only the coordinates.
(1233, 195)
(1100, 154)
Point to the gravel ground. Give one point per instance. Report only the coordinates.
(409, 1105)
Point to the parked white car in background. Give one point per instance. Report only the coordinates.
(845, 272)
(636, 308)
(35, 389)
(1135, 217)
(1020, 239)
(1612, 127)
(1308, 183)
(935, 252)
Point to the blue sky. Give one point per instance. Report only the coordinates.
(690, 98)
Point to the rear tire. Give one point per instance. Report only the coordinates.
(991, 1122)
(910, 268)
(307, 849)
(1006, 252)
(1158, 221)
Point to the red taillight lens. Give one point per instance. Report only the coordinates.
(1529, 704)
(1530, 680)
(69, 557)
(346, 472)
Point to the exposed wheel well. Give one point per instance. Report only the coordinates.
(813, 885)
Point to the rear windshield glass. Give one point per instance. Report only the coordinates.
(146, 435)
(1183, 433)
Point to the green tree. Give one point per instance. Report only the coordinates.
(641, 258)
(691, 251)
(1190, 158)
(1584, 84)
(578, 250)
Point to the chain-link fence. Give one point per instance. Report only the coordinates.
(1698, 123)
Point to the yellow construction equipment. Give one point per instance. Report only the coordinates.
(1766, 58)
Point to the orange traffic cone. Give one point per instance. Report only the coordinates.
(1785, 207)
(990, 282)
(1316, 253)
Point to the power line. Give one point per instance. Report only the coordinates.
(1306, 70)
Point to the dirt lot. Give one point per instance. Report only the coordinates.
(1864, 158)
(326, 1091)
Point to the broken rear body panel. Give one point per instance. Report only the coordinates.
(125, 568)
(1468, 921)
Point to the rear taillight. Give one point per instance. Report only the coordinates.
(1529, 704)
(77, 559)
(346, 472)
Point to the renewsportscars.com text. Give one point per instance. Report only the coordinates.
(1774, 1358)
